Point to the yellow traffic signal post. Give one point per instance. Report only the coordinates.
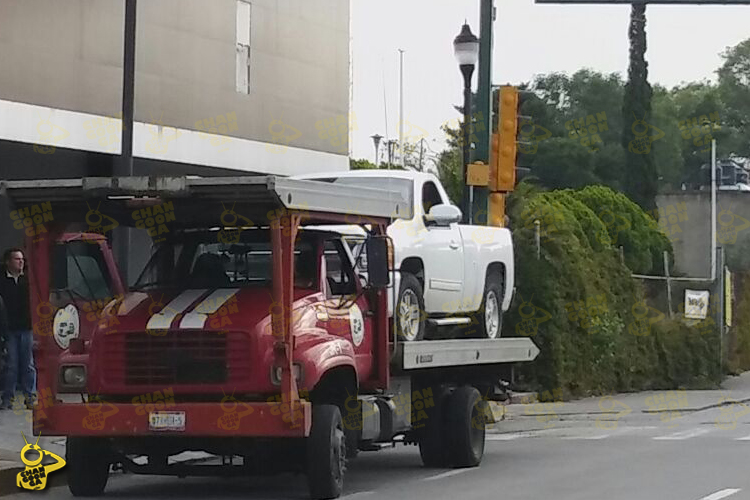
(502, 172)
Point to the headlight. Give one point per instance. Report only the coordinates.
(73, 376)
(276, 374)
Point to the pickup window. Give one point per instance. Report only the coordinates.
(430, 196)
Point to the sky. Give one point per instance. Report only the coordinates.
(684, 44)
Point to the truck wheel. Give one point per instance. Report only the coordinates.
(326, 453)
(432, 444)
(465, 428)
(491, 311)
(87, 464)
(410, 309)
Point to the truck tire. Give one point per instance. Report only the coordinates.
(326, 453)
(432, 444)
(465, 427)
(409, 315)
(491, 311)
(87, 465)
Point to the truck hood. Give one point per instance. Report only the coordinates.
(219, 310)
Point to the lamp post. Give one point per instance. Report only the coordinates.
(376, 139)
(466, 49)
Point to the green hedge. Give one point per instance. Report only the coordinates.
(580, 304)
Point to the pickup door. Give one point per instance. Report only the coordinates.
(442, 251)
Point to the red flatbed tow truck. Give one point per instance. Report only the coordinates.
(246, 336)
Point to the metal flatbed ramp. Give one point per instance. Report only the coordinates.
(464, 352)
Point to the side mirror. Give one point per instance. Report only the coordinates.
(443, 215)
(378, 274)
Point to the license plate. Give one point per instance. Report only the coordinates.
(166, 421)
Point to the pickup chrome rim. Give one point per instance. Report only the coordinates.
(491, 315)
(408, 315)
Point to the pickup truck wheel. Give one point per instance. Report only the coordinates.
(87, 464)
(491, 312)
(410, 309)
(326, 453)
(465, 428)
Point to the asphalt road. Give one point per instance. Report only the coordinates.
(659, 457)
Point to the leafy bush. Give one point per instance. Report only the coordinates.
(580, 304)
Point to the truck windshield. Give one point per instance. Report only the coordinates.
(212, 264)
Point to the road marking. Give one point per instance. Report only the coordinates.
(721, 494)
(446, 474)
(678, 436)
(507, 437)
(746, 438)
(358, 494)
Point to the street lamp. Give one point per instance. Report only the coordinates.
(466, 49)
(376, 139)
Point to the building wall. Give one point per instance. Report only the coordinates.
(66, 60)
(690, 226)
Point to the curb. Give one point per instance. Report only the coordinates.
(8, 480)
(659, 410)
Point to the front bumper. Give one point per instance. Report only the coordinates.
(255, 419)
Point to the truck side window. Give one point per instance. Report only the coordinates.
(82, 272)
(339, 274)
(430, 196)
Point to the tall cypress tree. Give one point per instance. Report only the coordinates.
(640, 177)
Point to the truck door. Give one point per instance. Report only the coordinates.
(347, 309)
(82, 279)
(442, 252)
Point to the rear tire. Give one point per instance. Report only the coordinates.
(87, 465)
(432, 444)
(326, 453)
(490, 314)
(409, 315)
(465, 429)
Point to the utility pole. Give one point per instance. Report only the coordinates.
(484, 105)
(124, 167)
(401, 110)
(421, 153)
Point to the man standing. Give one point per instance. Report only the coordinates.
(14, 289)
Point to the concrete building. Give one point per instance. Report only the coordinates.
(221, 86)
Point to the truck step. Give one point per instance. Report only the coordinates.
(377, 446)
(448, 321)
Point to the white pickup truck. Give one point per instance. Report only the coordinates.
(448, 274)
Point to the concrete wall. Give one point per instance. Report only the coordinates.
(67, 56)
(690, 226)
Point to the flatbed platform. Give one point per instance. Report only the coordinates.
(465, 352)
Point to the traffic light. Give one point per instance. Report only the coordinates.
(496, 210)
(504, 147)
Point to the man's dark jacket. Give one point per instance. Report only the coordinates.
(16, 299)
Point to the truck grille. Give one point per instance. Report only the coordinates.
(178, 357)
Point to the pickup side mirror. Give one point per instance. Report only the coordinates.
(443, 215)
(378, 274)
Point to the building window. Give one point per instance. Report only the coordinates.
(242, 57)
